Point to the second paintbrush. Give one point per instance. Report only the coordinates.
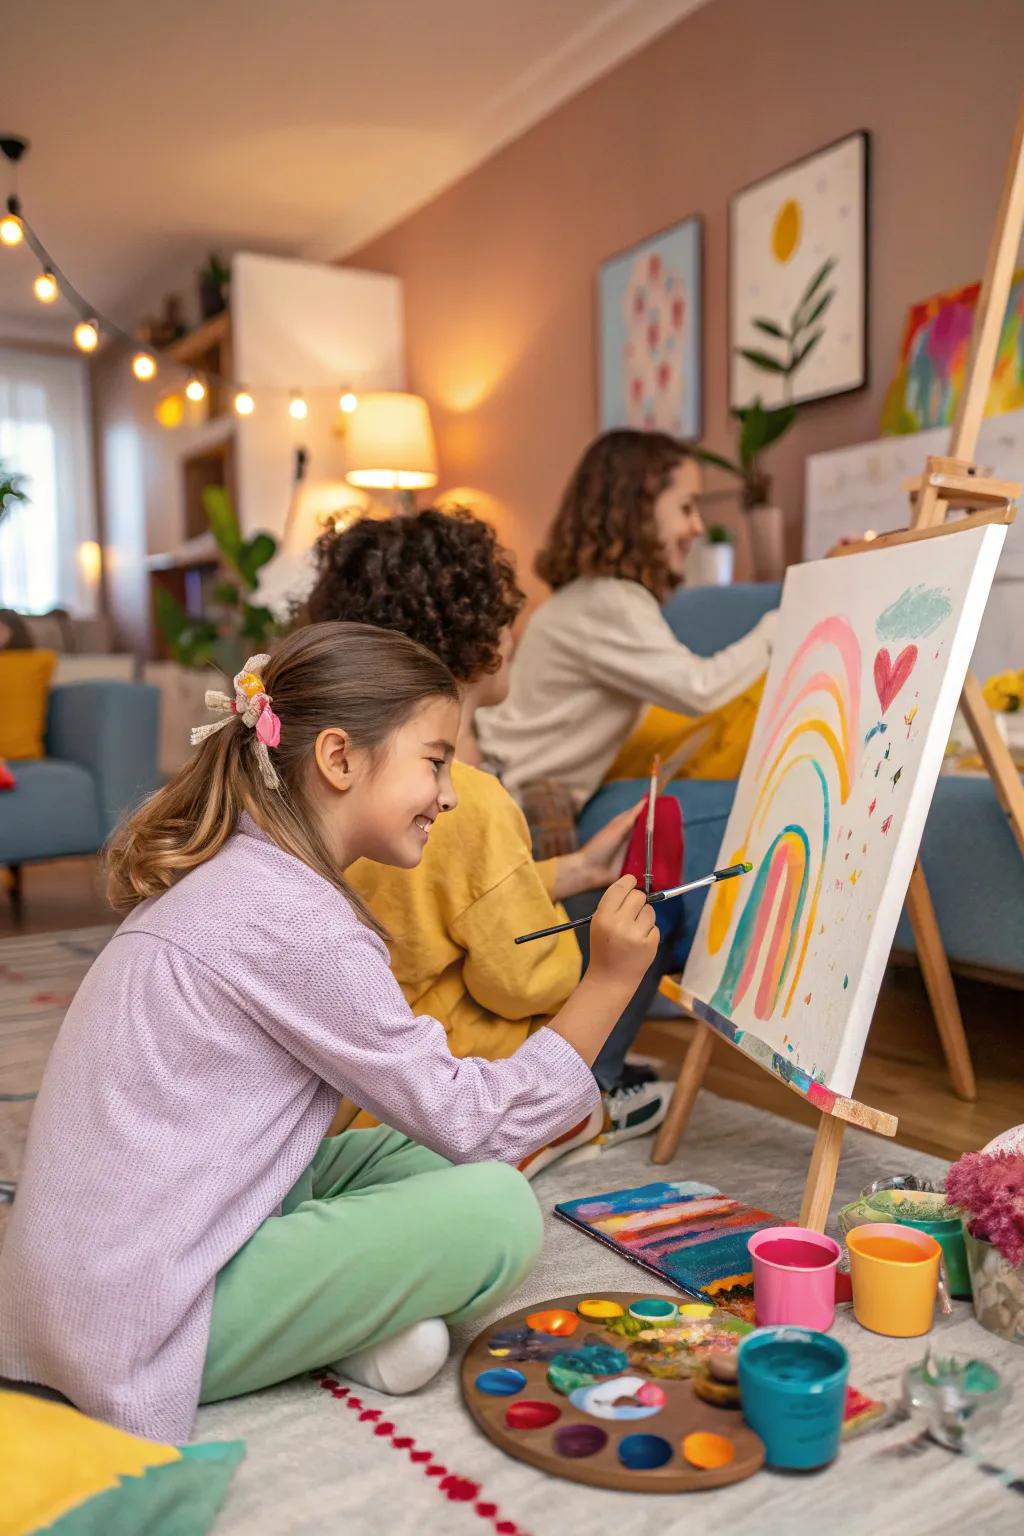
(676, 890)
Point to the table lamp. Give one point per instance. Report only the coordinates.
(389, 444)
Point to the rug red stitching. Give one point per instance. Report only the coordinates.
(460, 1490)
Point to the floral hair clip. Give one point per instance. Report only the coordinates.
(252, 705)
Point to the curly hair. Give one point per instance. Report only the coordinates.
(605, 523)
(441, 578)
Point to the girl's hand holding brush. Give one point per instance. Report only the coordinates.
(623, 943)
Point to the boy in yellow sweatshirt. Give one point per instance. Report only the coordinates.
(443, 579)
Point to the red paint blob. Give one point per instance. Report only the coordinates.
(531, 1414)
(796, 1253)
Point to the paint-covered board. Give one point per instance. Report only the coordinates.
(869, 660)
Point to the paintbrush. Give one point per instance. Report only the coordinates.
(652, 795)
(676, 890)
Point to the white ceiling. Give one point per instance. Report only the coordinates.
(163, 129)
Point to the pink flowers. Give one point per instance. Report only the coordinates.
(989, 1189)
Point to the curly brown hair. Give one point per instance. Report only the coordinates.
(441, 578)
(605, 523)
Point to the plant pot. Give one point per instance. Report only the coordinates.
(998, 1289)
(212, 299)
(182, 705)
(711, 564)
(767, 543)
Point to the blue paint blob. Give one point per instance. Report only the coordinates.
(642, 1453)
(501, 1382)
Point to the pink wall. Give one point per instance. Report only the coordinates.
(499, 271)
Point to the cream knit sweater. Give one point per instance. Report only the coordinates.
(592, 658)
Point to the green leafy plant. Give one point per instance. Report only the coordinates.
(216, 272)
(12, 490)
(237, 627)
(760, 426)
(718, 534)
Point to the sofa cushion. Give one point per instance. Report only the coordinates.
(51, 813)
(24, 687)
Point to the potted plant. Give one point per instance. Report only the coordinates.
(760, 426)
(214, 282)
(11, 490)
(713, 558)
(236, 628)
(988, 1189)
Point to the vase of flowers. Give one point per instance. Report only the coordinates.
(988, 1189)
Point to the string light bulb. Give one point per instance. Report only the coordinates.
(195, 389)
(244, 403)
(348, 402)
(298, 410)
(45, 288)
(11, 231)
(144, 367)
(87, 335)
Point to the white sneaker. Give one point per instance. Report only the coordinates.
(403, 1363)
(635, 1111)
(578, 1136)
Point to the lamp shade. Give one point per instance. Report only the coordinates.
(389, 444)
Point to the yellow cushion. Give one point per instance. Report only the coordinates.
(24, 685)
(716, 744)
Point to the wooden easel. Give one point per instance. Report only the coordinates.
(950, 483)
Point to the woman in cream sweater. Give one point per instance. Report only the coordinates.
(599, 651)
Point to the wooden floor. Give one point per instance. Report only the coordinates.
(903, 1070)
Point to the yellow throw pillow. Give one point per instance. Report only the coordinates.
(24, 686)
(716, 743)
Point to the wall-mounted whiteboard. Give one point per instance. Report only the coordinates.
(870, 658)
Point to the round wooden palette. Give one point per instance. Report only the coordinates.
(610, 1421)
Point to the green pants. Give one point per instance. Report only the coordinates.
(377, 1234)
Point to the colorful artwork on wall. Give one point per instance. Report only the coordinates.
(649, 334)
(869, 661)
(933, 360)
(781, 231)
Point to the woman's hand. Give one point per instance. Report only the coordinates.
(598, 862)
(623, 935)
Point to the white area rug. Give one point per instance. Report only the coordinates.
(316, 1465)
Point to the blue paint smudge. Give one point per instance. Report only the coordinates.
(915, 613)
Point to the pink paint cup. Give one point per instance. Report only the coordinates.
(794, 1277)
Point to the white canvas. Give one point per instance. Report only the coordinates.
(781, 231)
(871, 654)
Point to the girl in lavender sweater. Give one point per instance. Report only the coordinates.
(182, 1233)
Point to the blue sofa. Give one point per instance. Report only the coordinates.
(972, 864)
(101, 758)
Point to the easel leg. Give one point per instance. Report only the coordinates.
(691, 1075)
(939, 984)
(996, 756)
(821, 1176)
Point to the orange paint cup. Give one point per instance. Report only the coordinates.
(895, 1274)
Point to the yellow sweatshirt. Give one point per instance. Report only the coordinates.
(453, 919)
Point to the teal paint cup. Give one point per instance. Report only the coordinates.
(948, 1232)
(793, 1394)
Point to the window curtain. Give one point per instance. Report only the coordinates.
(47, 544)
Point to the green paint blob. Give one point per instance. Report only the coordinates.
(846, 982)
(916, 613)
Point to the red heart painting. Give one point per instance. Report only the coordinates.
(891, 675)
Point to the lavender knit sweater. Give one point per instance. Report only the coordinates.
(192, 1080)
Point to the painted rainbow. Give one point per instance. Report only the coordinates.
(810, 729)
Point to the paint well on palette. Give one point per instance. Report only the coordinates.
(644, 1453)
(578, 1440)
(653, 1310)
(618, 1399)
(502, 1381)
(555, 1321)
(708, 1451)
(531, 1413)
(599, 1310)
